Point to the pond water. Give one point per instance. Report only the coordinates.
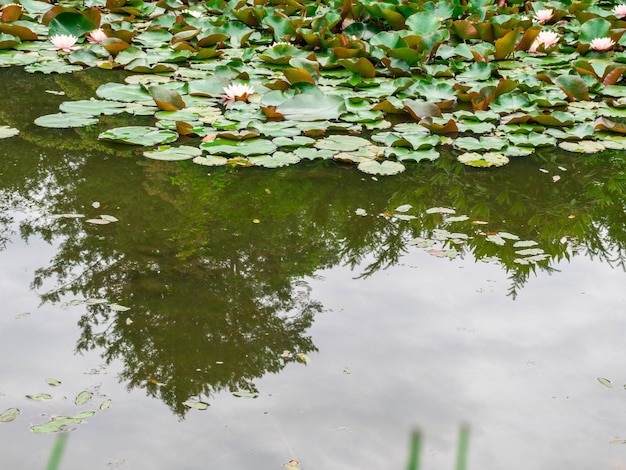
(353, 309)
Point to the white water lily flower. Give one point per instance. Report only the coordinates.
(602, 44)
(619, 10)
(237, 92)
(542, 16)
(96, 36)
(547, 38)
(64, 42)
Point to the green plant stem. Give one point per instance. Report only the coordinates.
(57, 452)
(414, 451)
(461, 458)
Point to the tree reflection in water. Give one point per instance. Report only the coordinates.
(215, 298)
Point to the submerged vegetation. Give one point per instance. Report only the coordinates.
(377, 84)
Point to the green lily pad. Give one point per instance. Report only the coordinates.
(92, 107)
(482, 143)
(242, 147)
(211, 160)
(312, 106)
(386, 168)
(582, 146)
(403, 154)
(532, 139)
(123, 92)
(168, 153)
(483, 160)
(342, 143)
(65, 120)
(308, 153)
(278, 159)
(197, 405)
(56, 424)
(138, 135)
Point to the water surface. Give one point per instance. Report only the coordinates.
(229, 275)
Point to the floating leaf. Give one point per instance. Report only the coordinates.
(64, 120)
(312, 106)
(197, 405)
(244, 394)
(483, 160)
(342, 143)
(105, 404)
(385, 168)
(53, 382)
(582, 146)
(40, 396)
(56, 424)
(138, 135)
(83, 397)
(9, 415)
(118, 308)
(278, 159)
(243, 147)
(6, 132)
(606, 382)
(168, 153)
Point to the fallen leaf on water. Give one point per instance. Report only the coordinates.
(606, 382)
(83, 397)
(9, 415)
(40, 396)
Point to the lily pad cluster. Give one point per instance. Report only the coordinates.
(57, 423)
(272, 83)
(445, 242)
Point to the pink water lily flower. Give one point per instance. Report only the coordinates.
(547, 38)
(236, 92)
(619, 10)
(602, 44)
(64, 42)
(96, 36)
(542, 16)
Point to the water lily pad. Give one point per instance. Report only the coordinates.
(138, 135)
(65, 120)
(211, 160)
(53, 382)
(123, 92)
(92, 107)
(168, 153)
(482, 143)
(582, 146)
(342, 143)
(312, 106)
(386, 168)
(278, 159)
(197, 405)
(243, 147)
(483, 159)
